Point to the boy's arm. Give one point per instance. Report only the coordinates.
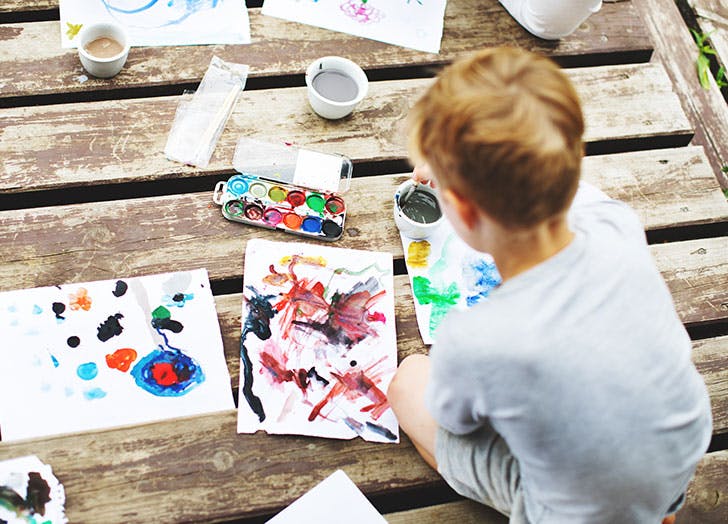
(450, 394)
(551, 19)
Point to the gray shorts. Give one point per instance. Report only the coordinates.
(480, 466)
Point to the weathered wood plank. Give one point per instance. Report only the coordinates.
(199, 470)
(460, 512)
(675, 49)
(22, 6)
(709, 355)
(32, 61)
(707, 498)
(117, 141)
(705, 503)
(80, 242)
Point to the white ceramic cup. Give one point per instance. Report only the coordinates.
(103, 67)
(410, 228)
(329, 108)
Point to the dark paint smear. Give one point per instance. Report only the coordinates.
(59, 308)
(168, 324)
(120, 289)
(260, 313)
(110, 327)
(73, 341)
(381, 430)
(38, 495)
(179, 297)
(347, 322)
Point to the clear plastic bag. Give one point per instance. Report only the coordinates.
(201, 118)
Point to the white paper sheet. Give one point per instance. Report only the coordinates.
(161, 22)
(334, 500)
(318, 330)
(416, 24)
(46, 504)
(110, 353)
(446, 273)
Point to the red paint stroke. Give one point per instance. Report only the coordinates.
(80, 300)
(356, 383)
(121, 359)
(274, 361)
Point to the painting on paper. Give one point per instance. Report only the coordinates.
(446, 273)
(318, 345)
(416, 24)
(160, 22)
(30, 493)
(102, 354)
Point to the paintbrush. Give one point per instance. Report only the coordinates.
(407, 193)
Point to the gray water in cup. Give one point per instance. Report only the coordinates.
(335, 85)
(421, 207)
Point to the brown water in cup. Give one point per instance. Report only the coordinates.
(104, 47)
(335, 86)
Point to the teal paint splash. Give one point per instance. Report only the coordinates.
(94, 393)
(87, 371)
(441, 299)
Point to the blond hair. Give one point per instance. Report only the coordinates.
(502, 128)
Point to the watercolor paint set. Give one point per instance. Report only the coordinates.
(281, 186)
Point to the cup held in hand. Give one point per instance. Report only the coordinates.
(417, 211)
(103, 49)
(335, 86)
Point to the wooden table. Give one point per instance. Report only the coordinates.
(86, 194)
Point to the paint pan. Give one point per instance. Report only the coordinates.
(286, 188)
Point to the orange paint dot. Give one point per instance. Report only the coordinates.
(121, 359)
(80, 300)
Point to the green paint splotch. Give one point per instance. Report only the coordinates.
(442, 298)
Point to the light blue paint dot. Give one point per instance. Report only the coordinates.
(45, 387)
(88, 371)
(55, 361)
(37, 310)
(12, 309)
(170, 3)
(94, 393)
(68, 391)
(14, 322)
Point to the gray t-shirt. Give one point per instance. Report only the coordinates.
(582, 365)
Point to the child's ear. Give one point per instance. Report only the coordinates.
(466, 211)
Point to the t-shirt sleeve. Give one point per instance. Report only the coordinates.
(551, 19)
(451, 396)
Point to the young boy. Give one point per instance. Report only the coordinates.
(569, 395)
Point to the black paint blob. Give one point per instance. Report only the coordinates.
(179, 297)
(110, 327)
(120, 289)
(58, 308)
(260, 313)
(381, 430)
(168, 324)
(73, 341)
(352, 363)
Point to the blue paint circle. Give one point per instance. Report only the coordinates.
(237, 185)
(87, 371)
(311, 224)
(182, 373)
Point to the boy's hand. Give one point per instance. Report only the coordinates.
(423, 175)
